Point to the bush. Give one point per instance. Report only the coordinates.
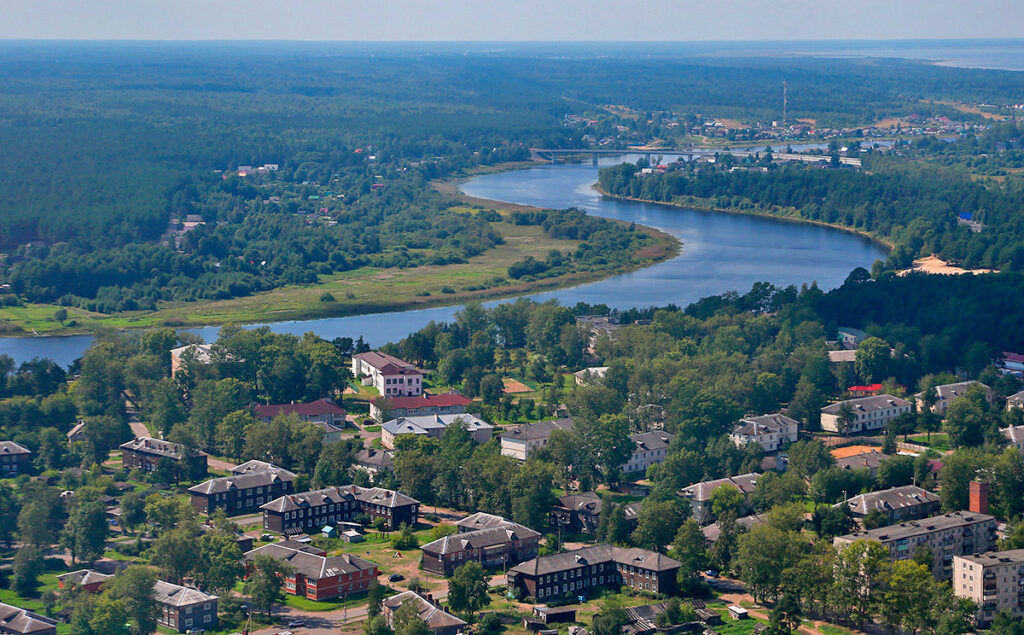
(447, 290)
(489, 622)
(327, 297)
(404, 539)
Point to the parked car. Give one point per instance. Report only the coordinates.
(296, 624)
(396, 577)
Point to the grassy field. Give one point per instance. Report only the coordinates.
(939, 441)
(359, 291)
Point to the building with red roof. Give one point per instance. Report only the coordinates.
(319, 411)
(386, 408)
(391, 376)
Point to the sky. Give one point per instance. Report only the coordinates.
(510, 20)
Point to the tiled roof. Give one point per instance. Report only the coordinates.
(867, 460)
(83, 576)
(175, 595)
(435, 618)
(379, 360)
(597, 554)
(654, 440)
(537, 431)
(480, 520)
(311, 409)
(702, 491)
(422, 424)
(312, 565)
(891, 499)
(260, 478)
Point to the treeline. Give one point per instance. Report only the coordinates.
(914, 204)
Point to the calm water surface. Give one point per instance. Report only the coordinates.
(721, 252)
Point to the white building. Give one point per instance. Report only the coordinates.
(392, 377)
(434, 426)
(590, 375)
(994, 581)
(771, 432)
(527, 439)
(650, 448)
(948, 393)
(866, 413)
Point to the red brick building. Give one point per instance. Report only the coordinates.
(317, 576)
(91, 581)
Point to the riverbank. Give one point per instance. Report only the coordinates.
(878, 240)
(361, 291)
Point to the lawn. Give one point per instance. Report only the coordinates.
(939, 441)
(305, 604)
(359, 291)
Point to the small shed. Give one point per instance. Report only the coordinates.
(738, 612)
(708, 616)
(329, 532)
(550, 615)
(352, 535)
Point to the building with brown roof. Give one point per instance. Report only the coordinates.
(14, 459)
(310, 511)
(699, 495)
(499, 546)
(438, 621)
(386, 408)
(578, 572)
(147, 453)
(947, 535)
(317, 576)
(897, 504)
(18, 621)
(391, 376)
(184, 609)
(241, 493)
(91, 581)
(323, 411)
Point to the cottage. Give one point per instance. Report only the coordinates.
(391, 376)
(438, 621)
(374, 461)
(77, 433)
(241, 493)
(14, 459)
(699, 495)
(500, 546)
(91, 581)
(433, 426)
(184, 609)
(521, 442)
(862, 414)
(649, 448)
(386, 408)
(896, 504)
(578, 572)
(310, 511)
(317, 576)
(147, 453)
(869, 461)
(16, 621)
(771, 432)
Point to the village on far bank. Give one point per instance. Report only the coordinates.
(325, 517)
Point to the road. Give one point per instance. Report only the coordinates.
(139, 429)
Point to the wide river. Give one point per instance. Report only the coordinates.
(721, 252)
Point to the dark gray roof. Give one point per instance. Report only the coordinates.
(597, 554)
(260, 478)
(10, 447)
(434, 617)
(990, 558)
(537, 431)
(328, 495)
(159, 447)
(480, 539)
(654, 440)
(584, 501)
(1013, 434)
(253, 466)
(867, 404)
(18, 620)
(891, 499)
(714, 530)
(918, 527)
(765, 424)
(948, 392)
(311, 565)
(866, 460)
(481, 520)
(372, 457)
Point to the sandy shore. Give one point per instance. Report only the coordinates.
(934, 264)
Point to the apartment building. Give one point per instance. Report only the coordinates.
(146, 454)
(493, 547)
(578, 572)
(315, 575)
(771, 432)
(897, 504)
(523, 441)
(391, 376)
(183, 609)
(994, 581)
(242, 493)
(649, 448)
(699, 495)
(948, 535)
(310, 511)
(865, 414)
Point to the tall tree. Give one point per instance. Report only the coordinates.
(467, 588)
(265, 581)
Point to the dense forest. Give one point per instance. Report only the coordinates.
(908, 196)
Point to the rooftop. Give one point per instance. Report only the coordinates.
(948, 392)
(867, 460)
(702, 491)
(17, 620)
(867, 404)
(259, 478)
(987, 559)
(918, 527)
(480, 520)
(480, 539)
(328, 495)
(424, 401)
(83, 576)
(423, 424)
(434, 617)
(380, 360)
(176, 595)
(10, 447)
(311, 409)
(311, 565)
(654, 440)
(159, 447)
(891, 499)
(537, 431)
(765, 424)
(650, 560)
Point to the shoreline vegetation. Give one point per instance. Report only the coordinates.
(362, 291)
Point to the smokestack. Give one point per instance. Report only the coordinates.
(978, 502)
